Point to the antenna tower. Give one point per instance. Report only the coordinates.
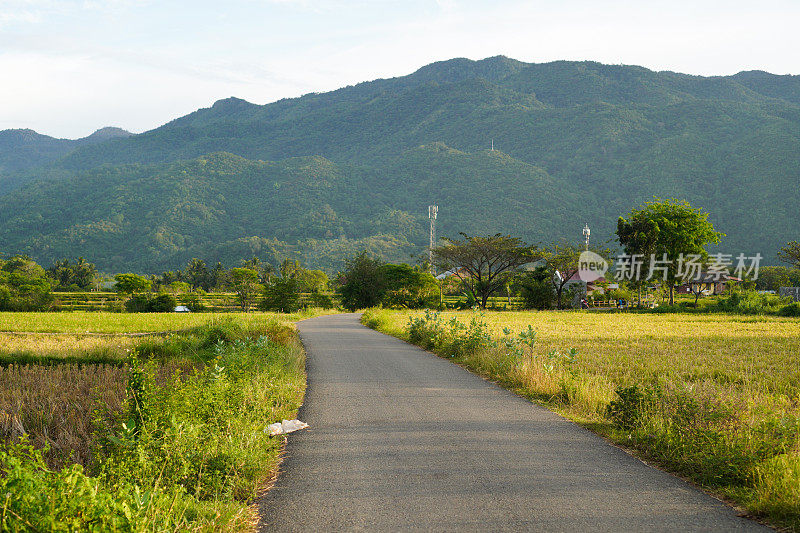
(433, 211)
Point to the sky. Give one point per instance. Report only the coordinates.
(70, 67)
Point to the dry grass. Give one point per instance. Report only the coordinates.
(53, 405)
(65, 346)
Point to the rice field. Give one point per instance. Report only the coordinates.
(85, 322)
(57, 368)
(753, 354)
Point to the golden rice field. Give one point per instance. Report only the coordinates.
(100, 322)
(757, 354)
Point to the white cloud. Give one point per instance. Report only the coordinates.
(72, 66)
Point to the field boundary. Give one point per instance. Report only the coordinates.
(95, 334)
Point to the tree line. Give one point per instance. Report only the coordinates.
(477, 267)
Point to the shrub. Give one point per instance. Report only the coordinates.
(790, 310)
(163, 303)
(138, 303)
(322, 300)
(145, 303)
(451, 338)
(750, 302)
(626, 411)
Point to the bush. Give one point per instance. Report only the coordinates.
(790, 310)
(145, 303)
(750, 303)
(319, 299)
(626, 411)
(163, 303)
(193, 302)
(138, 303)
(538, 295)
(451, 338)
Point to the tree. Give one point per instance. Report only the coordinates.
(290, 268)
(407, 287)
(244, 282)
(536, 288)
(281, 295)
(676, 231)
(772, 278)
(638, 238)
(561, 262)
(791, 254)
(73, 276)
(311, 280)
(23, 285)
(482, 263)
(217, 277)
(131, 283)
(362, 282)
(197, 275)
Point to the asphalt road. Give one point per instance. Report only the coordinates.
(400, 439)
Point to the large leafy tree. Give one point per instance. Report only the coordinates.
(131, 283)
(638, 237)
(23, 285)
(244, 282)
(791, 253)
(668, 229)
(483, 263)
(362, 282)
(408, 287)
(281, 294)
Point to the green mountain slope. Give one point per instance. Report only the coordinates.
(324, 174)
(22, 150)
(224, 207)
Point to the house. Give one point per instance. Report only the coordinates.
(707, 284)
(596, 287)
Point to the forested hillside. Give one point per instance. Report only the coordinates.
(324, 174)
(21, 150)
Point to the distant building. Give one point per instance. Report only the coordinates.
(707, 284)
(794, 292)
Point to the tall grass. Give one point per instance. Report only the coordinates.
(713, 397)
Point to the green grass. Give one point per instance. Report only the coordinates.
(713, 397)
(99, 322)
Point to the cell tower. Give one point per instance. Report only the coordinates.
(433, 211)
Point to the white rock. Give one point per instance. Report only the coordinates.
(287, 426)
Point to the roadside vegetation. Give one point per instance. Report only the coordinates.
(168, 435)
(713, 397)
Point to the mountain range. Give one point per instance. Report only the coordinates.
(320, 176)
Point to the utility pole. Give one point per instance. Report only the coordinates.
(586, 233)
(433, 210)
